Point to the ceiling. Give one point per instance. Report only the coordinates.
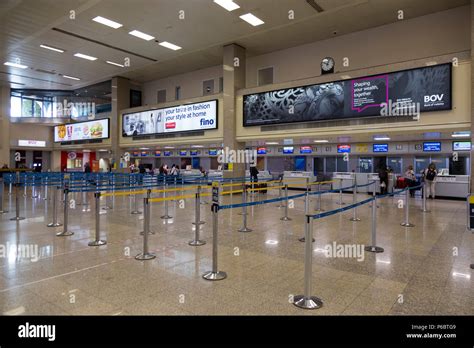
(204, 30)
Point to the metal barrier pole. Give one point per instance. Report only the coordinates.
(307, 301)
(340, 193)
(17, 204)
(10, 191)
(319, 200)
(148, 195)
(46, 187)
(108, 205)
(2, 187)
(244, 228)
(354, 200)
(97, 241)
(407, 223)
(55, 222)
(286, 218)
(280, 203)
(306, 212)
(146, 255)
(424, 209)
(214, 274)
(374, 248)
(34, 193)
(24, 190)
(65, 231)
(197, 220)
(166, 215)
(135, 211)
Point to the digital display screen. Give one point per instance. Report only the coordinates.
(144, 154)
(180, 118)
(288, 150)
(461, 146)
(98, 129)
(212, 152)
(157, 153)
(432, 147)
(402, 93)
(183, 153)
(343, 148)
(262, 151)
(167, 153)
(135, 154)
(194, 153)
(380, 148)
(306, 149)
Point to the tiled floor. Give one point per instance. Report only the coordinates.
(424, 269)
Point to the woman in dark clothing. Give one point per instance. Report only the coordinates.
(383, 176)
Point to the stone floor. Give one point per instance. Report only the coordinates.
(423, 270)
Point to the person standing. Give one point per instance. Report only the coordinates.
(87, 168)
(429, 175)
(253, 171)
(410, 179)
(383, 176)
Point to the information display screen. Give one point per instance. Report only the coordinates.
(182, 118)
(183, 153)
(432, 147)
(212, 152)
(157, 153)
(343, 148)
(262, 151)
(461, 146)
(306, 149)
(194, 153)
(288, 150)
(98, 129)
(418, 90)
(167, 153)
(380, 148)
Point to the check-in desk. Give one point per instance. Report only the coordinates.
(297, 179)
(345, 179)
(263, 175)
(452, 186)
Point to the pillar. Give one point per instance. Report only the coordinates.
(234, 79)
(472, 92)
(4, 125)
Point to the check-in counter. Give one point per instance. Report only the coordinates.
(455, 186)
(215, 174)
(263, 175)
(345, 179)
(191, 173)
(297, 179)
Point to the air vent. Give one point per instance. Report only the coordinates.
(340, 123)
(169, 136)
(315, 5)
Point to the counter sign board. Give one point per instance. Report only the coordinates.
(215, 192)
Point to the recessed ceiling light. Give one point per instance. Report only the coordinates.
(229, 5)
(321, 141)
(71, 77)
(107, 22)
(144, 148)
(15, 65)
(271, 143)
(345, 77)
(461, 134)
(169, 45)
(379, 138)
(251, 19)
(271, 242)
(169, 147)
(197, 146)
(84, 56)
(113, 63)
(141, 35)
(431, 63)
(52, 48)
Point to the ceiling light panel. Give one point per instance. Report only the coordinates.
(251, 19)
(113, 63)
(84, 56)
(107, 22)
(229, 5)
(169, 45)
(141, 35)
(51, 48)
(15, 65)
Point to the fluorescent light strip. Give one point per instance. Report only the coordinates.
(169, 45)
(15, 65)
(321, 141)
(141, 35)
(251, 19)
(52, 48)
(466, 135)
(113, 63)
(84, 56)
(71, 77)
(381, 138)
(107, 22)
(271, 143)
(229, 5)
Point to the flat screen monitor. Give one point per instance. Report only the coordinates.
(262, 151)
(343, 148)
(194, 153)
(306, 149)
(157, 153)
(461, 146)
(288, 150)
(213, 152)
(167, 153)
(183, 153)
(432, 146)
(380, 148)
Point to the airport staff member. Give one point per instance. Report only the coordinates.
(410, 179)
(253, 171)
(429, 175)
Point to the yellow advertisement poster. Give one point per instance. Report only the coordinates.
(364, 148)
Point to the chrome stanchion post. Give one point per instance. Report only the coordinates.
(280, 204)
(146, 255)
(46, 188)
(244, 228)
(286, 218)
(373, 247)
(108, 205)
(215, 274)
(10, 187)
(97, 241)
(354, 200)
(55, 222)
(319, 200)
(65, 231)
(34, 193)
(166, 215)
(307, 301)
(197, 220)
(2, 187)
(424, 208)
(407, 223)
(340, 193)
(135, 211)
(306, 212)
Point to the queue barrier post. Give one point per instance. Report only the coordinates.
(2, 187)
(34, 191)
(215, 274)
(354, 217)
(146, 255)
(373, 248)
(319, 200)
(197, 220)
(286, 218)
(166, 215)
(148, 195)
(55, 222)
(306, 212)
(97, 241)
(108, 203)
(280, 203)
(65, 231)
(244, 228)
(46, 189)
(10, 188)
(306, 301)
(24, 188)
(135, 210)
(407, 222)
(340, 202)
(424, 209)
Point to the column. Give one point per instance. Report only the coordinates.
(4, 125)
(472, 92)
(234, 79)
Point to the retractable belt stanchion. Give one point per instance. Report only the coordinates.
(286, 218)
(354, 200)
(135, 210)
(197, 220)
(17, 200)
(2, 211)
(318, 201)
(306, 212)
(65, 231)
(373, 247)
(244, 228)
(407, 222)
(97, 241)
(46, 188)
(280, 203)
(108, 204)
(146, 255)
(424, 209)
(307, 301)
(215, 274)
(148, 195)
(24, 189)
(10, 187)
(166, 215)
(55, 222)
(34, 193)
(340, 193)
